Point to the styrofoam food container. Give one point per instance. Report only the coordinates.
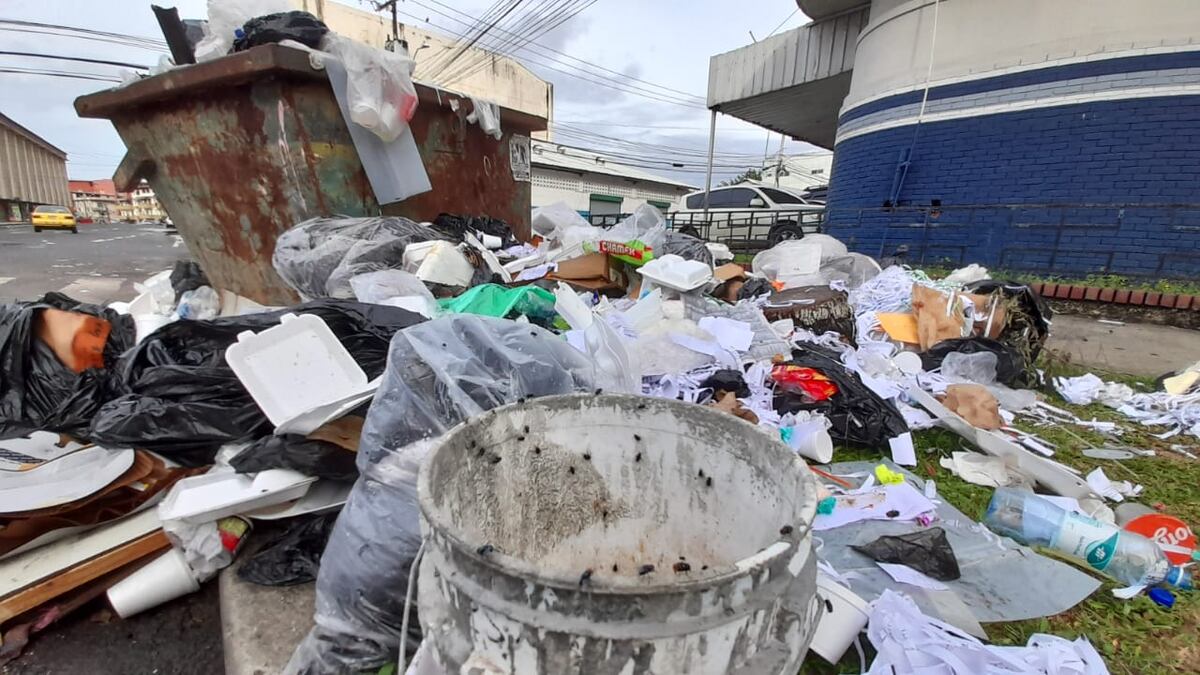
(165, 578)
(674, 272)
(296, 368)
(203, 499)
(843, 616)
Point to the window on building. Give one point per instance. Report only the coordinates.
(781, 197)
(604, 205)
(661, 206)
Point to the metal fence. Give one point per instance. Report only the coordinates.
(744, 231)
(1135, 240)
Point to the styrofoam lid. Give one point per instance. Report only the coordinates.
(673, 271)
(294, 367)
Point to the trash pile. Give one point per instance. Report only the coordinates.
(144, 442)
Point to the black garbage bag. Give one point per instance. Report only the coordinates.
(311, 457)
(292, 555)
(180, 399)
(318, 257)
(754, 287)
(455, 226)
(728, 380)
(1011, 367)
(271, 28)
(1027, 323)
(187, 276)
(858, 416)
(686, 247)
(36, 390)
(926, 551)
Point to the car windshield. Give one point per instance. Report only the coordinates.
(51, 209)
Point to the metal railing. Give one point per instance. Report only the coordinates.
(745, 231)
(1134, 240)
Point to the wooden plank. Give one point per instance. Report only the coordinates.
(27, 569)
(22, 601)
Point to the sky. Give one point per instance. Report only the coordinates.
(663, 43)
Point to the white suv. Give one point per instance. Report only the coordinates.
(745, 215)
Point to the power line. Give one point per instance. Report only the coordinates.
(527, 21)
(89, 31)
(545, 48)
(475, 25)
(513, 4)
(58, 73)
(553, 21)
(74, 58)
(789, 18)
(608, 84)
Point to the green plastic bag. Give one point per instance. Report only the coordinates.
(503, 302)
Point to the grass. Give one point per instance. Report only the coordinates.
(1135, 637)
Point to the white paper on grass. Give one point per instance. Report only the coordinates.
(903, 452)
(910, 643)
(906, 575)
(875, 503)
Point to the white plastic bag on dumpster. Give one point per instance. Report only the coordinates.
(381, 93)
(487, 115)
(439, 373)
(396, 288)
(225, 17)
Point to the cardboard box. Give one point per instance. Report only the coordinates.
(594, 271)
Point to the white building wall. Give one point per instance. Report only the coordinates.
(980, 37)
(552, 185)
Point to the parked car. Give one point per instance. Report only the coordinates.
(49, 217)
(748, 216)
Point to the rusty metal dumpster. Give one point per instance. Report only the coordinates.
(241, 148)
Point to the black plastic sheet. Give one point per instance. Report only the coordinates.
(179, 398)
(754, 287)
(926, 551)
(310, 457)
(728, 380)
(36, 390)
(290, 556)
(686, 247)
(187, 276)
(1027, 328)
(1011, 367)
(271, 28)
(858, 416)
(455, 226)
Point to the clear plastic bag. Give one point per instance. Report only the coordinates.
(439, 373)
(225, 17)
(318, 257)
(562, 224)
(379, 287)
(381, 92)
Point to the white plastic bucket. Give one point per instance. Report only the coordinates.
(166, 577)
(843, 616)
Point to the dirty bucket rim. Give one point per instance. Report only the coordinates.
(514, 566)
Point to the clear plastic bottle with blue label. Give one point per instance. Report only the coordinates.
(1125, 556)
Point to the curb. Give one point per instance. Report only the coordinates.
(1117, 297)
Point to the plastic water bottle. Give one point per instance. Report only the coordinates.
(1125, 556)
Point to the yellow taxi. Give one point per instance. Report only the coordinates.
(48, 217)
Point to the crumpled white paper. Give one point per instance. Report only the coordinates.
(911, 643)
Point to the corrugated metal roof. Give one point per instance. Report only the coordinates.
(568, 158)
(12, 124)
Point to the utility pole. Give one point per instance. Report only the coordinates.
(395, 22)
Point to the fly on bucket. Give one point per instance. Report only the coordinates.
(582, 534)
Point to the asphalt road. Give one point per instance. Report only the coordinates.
(100, 264)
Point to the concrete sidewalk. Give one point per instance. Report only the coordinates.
(1140, 349)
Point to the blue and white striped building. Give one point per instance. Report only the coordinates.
(1044, 135)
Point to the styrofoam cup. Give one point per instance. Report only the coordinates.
(166, 577)
(908, 363)
(843, 616)
(812, 440)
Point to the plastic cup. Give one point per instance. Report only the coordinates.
(811, 440)
(166, 577)
(908, 363)
(843, 616)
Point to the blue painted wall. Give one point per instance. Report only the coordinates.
(1142, 153)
